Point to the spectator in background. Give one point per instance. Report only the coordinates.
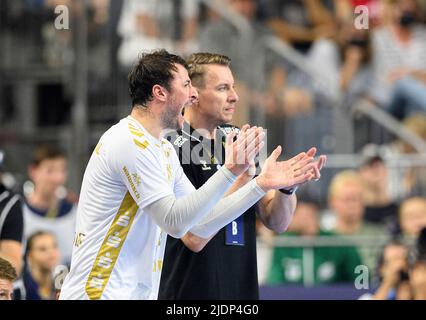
(421, 245)
(42, 256)
(412, 217)
(264, 94)
(411, 180)
(290, 265)
(11, 224)
(344, 61)
(418, 280)
(50, 207)
(152, 24)
(346, 201)
(379, 207)
(393, 273)
(221, 36)
(7, 277)
(300, 23)
(399, 61)
(418, 271)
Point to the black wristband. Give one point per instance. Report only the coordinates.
(288, 192)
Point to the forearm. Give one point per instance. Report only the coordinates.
(228, 209)
(196, 243)
(177, 216)
(290, 33)
(276, 210)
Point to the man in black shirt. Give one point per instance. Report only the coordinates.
(11, 225)
(224, 266)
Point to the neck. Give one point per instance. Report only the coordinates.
(403, 34)
(41, 201)
(42, 277)
(198, 121)
(150, 121)
(376, 195)
(347, 228)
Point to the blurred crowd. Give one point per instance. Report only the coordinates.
(384, 64)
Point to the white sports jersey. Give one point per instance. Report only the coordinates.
(118, 248)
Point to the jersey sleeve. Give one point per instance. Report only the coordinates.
(140, 168)
(183, 185)
(13, 227)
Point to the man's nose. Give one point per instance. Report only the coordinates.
(234, 96)
(193, 94)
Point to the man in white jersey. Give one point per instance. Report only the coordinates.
(134, 191)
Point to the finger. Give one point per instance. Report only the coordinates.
(247, 136)
(276, 153)
(321, 162)
(253, 145)
(317, 174)
(305, 169)
(254, 153)
(230, 138)
(303, 178)
(297, 158)
(302, 163)
(244, 128)
(311, 152)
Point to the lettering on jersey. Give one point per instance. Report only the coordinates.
(79, 238)
(132, 185)
(137, 179)
(97, 282)
(180, 141)
(110, 249)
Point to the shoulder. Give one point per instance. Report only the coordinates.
(9, 201)
(125, 141)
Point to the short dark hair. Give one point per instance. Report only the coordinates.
(7, 271)
(198, 61)
(46, 152)
(152, 69)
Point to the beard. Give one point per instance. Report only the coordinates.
(172, 118)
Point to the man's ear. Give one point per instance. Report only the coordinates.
(159, 93)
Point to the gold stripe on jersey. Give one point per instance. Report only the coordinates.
(136, 133)
(110, 248)
(98, 148)
(142, 145)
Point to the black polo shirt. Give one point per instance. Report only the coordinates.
(219, 271)
(11, 219)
